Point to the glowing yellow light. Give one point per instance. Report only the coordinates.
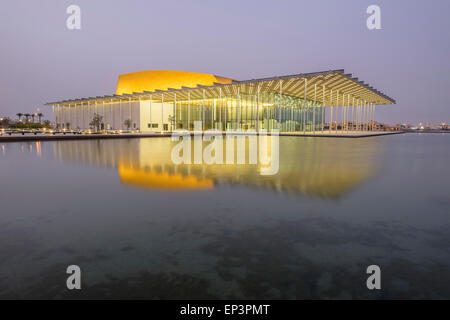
(161, 180)
(152, 80)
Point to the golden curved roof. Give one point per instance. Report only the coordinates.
(152, 80)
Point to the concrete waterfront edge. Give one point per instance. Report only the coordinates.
(169, 134)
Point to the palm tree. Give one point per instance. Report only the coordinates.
(96, 122)
(127, 124)
(32, 116)
(27, 115)
(19, 115)
(40, 115)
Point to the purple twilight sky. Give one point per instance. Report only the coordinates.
(408, 59)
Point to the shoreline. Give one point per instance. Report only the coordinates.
(23, 138)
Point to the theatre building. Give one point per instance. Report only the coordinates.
(163, 100)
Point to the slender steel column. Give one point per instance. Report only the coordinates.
(304, 106)
(111, 115)
(280, 106)
(370, 116)
(213, 112)
(78, 116)
(348, 114)
(150, 97)
(189, 111)
(337, 110)
(323, 106)
(366, 125)
(120, 115)
(175, 117)
(331, 110)
(130, 113)
(347, 108)
(103, 114)
(162, 112)
(83, 115)
(334, 112)
(343, 113)
(353, 109)
(314, 109)
(203, 111)
(225, 115)
(257, 109)
(365, 116)
(71, 117)
(360, 118)
(57, 116)
(138, 126)
(220, 109)
(360, 115)
(373, 116)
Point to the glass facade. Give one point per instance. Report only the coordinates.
(219, 103)
(240, 112)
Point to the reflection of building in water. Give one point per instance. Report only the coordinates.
(161, 180)
(323, 167)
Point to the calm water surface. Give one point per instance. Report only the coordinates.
(141, 227)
